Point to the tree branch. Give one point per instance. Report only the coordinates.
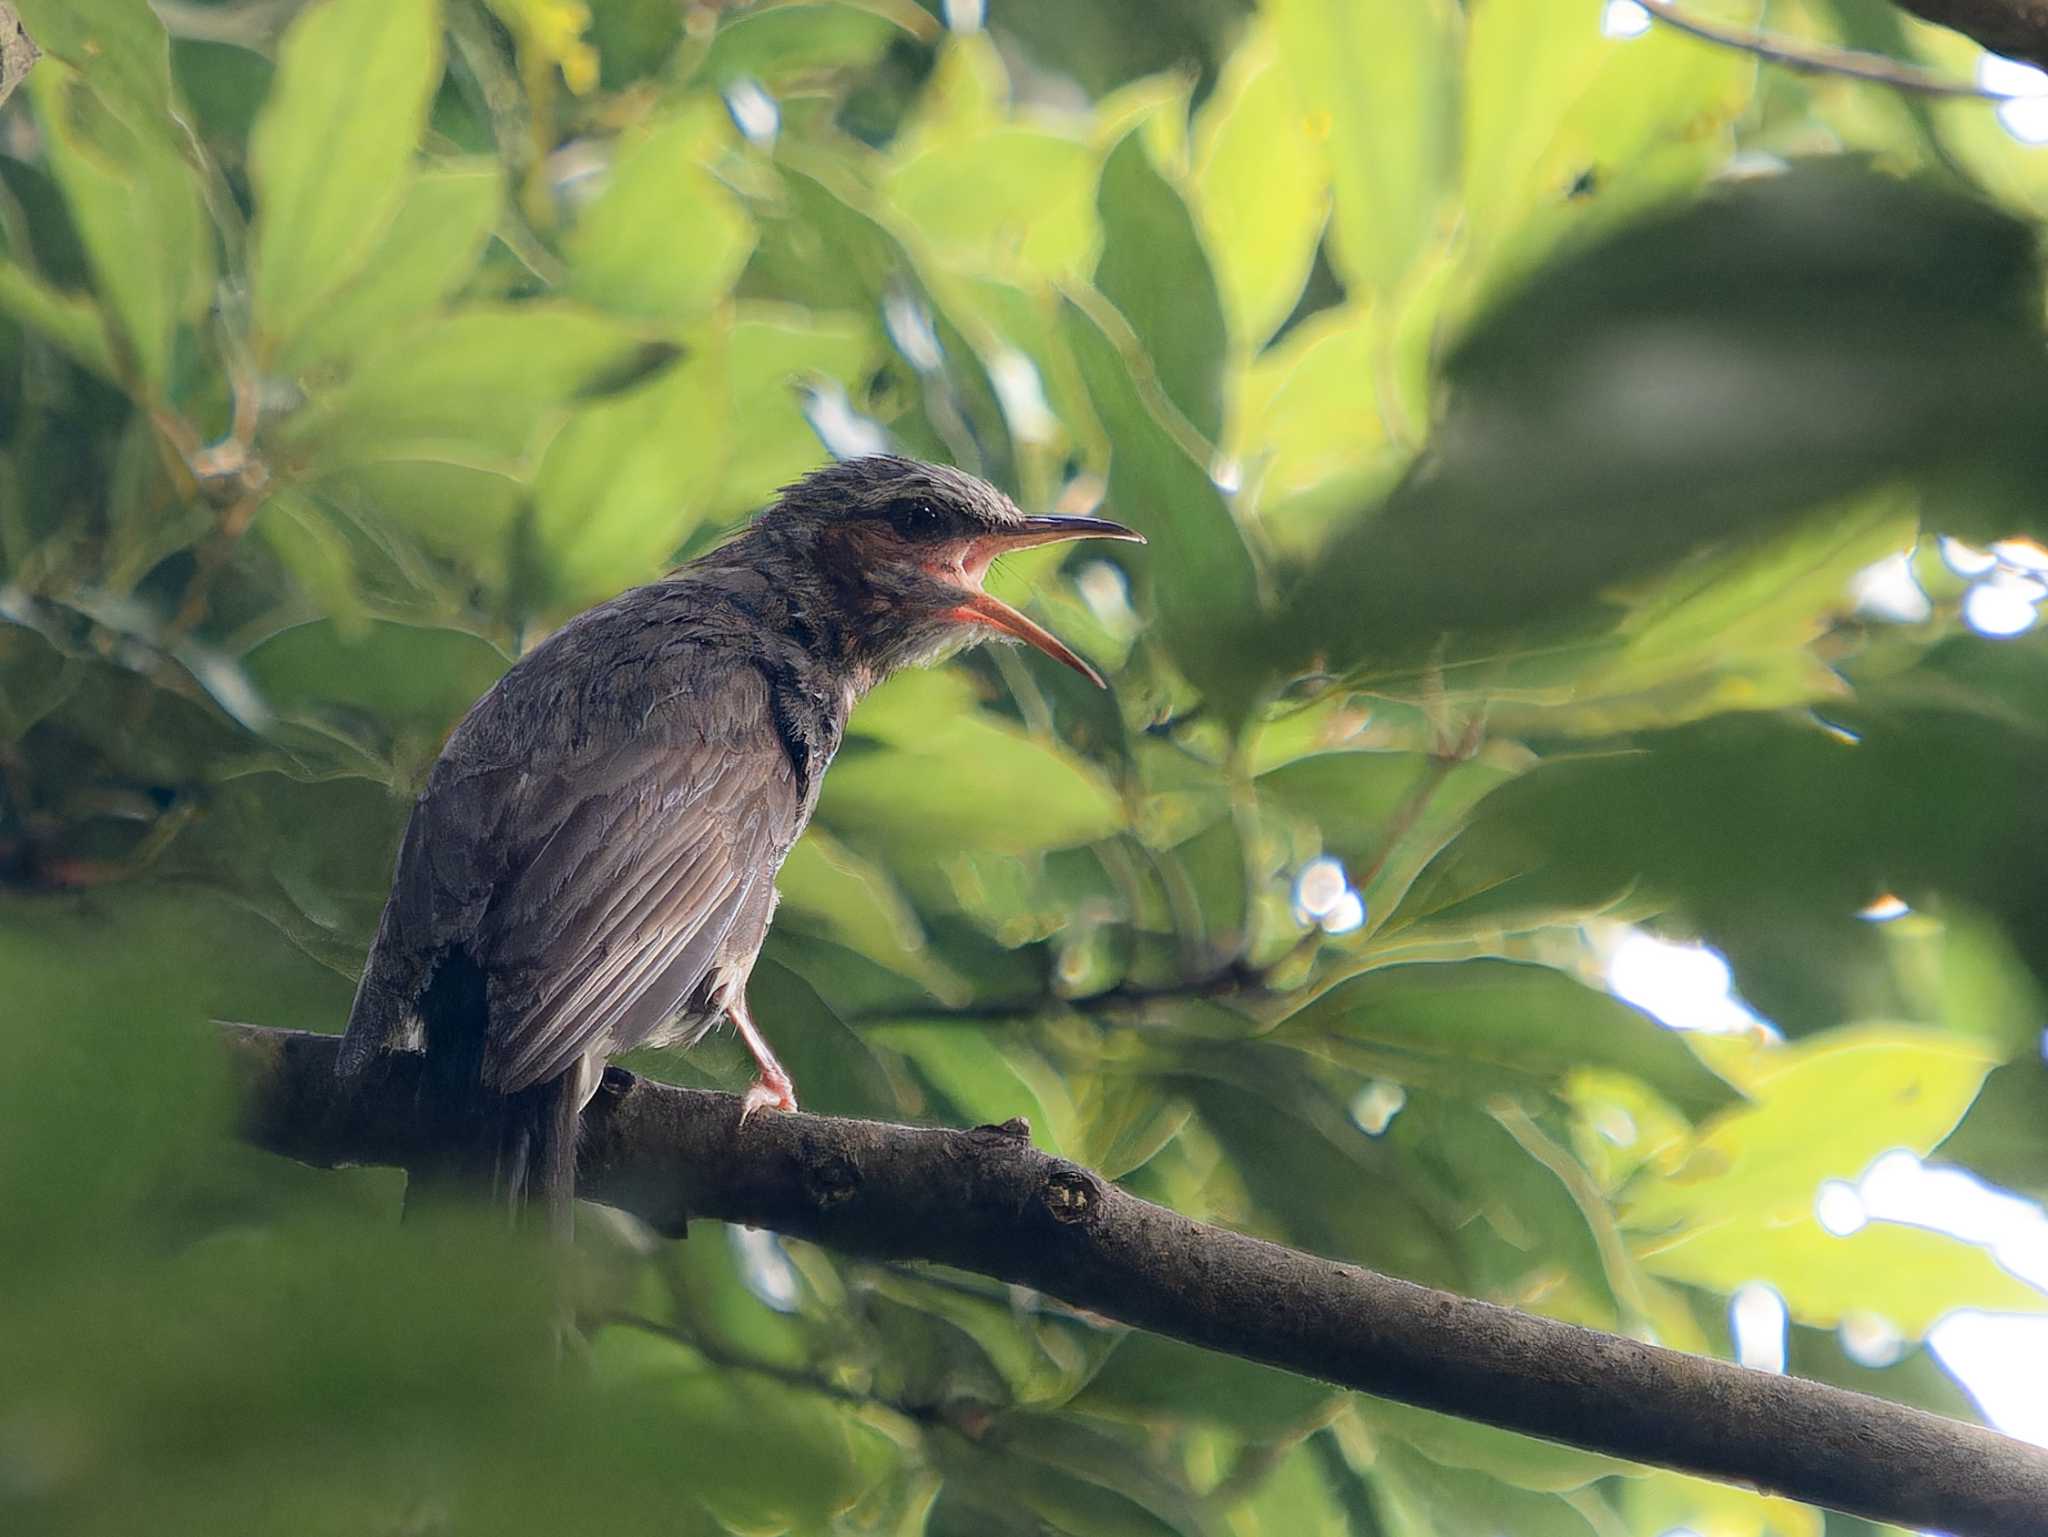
(987, 1201)
(18, 52)
(1814, 60)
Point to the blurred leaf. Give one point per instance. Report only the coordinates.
(1203, 579)
(827, 886)
(787, 43)
(984, 1083)
(1505, 1017)
(835, 1068)
(1013, 201)
(1789, 340)
(393, 671)
(1911, 1277)
(627, 479)
(1261, 188)
(1152, 268)
(357, 73)
(1436, 1501)
(1308, 431)
(965, 761)
(1523, 1461)
(1376, 79)
(2003, 1136)
(482, 380)
(1884, 1089)
(1564, 124)
(761, 1454)
(774, 351)
(665, 240)
(1149, 1377)
(1661, 1502)
(1124, 1122)
(138, 215)
(426, 254)
(72, 321)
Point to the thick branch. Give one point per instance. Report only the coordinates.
(987, 1201)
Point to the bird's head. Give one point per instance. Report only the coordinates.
(899, 548)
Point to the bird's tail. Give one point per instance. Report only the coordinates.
(515, 1151)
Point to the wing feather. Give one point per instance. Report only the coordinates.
(623, 915)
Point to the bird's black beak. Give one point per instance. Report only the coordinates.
(981, 608)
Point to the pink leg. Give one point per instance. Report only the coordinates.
(772, 1090)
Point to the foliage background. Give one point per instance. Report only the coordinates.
(1552, 413)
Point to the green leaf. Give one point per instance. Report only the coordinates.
(1564, 125)
(1377, 77)
(828, 888)
(71, 321)
(1149, 1378)
(119, 45)
(983, 1082)
(835, 1069)
(397, 672)
(1261, 188)
(1791, 339)
(329, 155)
(761, 1454)
(1308, 428)
(1494, 1016)
(428, 252)
(1824, 1109)
(629, 478)
(788, 44)
(1152, 268)
(138, 215)
(1011, 201)
(665, 240)
(775, 350)
(1203, 579)
(479, 382)
(965, 762)
(1524, 1461)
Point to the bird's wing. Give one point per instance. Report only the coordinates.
(639, 861)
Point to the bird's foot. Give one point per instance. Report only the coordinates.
(771, 1091)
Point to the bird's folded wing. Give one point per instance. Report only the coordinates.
(620, 915)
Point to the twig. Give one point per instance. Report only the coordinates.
(987, 1201)
(1813, 59)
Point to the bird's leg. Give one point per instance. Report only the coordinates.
(772, 1090)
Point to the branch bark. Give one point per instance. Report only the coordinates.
(18, 52)
(987, 1201)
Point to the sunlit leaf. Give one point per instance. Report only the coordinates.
(1376, 80)
(666, 239)
(431, 247)
(1261, 187)
(138, 213)
(1153, 270)
(354, 73)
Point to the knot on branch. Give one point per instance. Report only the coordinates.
(829, 1178)
(1071, 1196)
(1015, 1129)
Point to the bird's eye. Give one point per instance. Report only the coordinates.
(914, 518)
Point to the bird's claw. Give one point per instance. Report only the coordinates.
(768, 1093)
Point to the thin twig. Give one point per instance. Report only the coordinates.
(1814, 59)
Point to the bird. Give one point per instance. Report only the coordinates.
(591, 865)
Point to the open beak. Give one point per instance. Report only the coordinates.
(979, 607)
